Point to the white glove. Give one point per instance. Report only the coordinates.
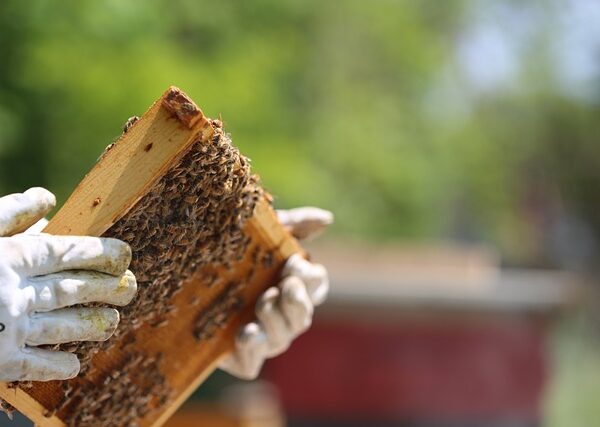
(39, 276)
(285, 311)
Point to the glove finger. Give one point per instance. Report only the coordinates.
(295, 305)
(38, 227)
(45, 254)
(305, 223)
(314, 277)
(273, 322)
(251, 346)
(72, 324)
(35, 364)
(21, 210)
(79, 287)
(232, 365)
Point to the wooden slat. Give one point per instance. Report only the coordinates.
(120, 178)
(127, 170)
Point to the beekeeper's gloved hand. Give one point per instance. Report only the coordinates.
(285, 311)
(40, 275)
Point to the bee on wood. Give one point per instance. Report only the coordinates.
(129, 123)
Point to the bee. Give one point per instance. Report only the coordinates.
(267, 260)
(160, 324)
(129, 123)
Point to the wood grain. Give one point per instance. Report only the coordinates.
(120, 178)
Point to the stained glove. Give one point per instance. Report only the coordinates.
(285, 311)
(42, 274)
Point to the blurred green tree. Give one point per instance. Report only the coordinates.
(341, 105)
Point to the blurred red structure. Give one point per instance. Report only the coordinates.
(438, 371)
(464, 347)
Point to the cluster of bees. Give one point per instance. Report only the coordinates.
(215, 317)
(191, 218)
(128, 393)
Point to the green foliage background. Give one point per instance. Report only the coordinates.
(327, 98)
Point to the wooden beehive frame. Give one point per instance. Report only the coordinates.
(120, 178)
